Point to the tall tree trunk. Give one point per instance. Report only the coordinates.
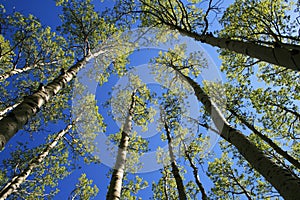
(31, 104)
(195, 173)
(294, 112)
(245, 192)
(175, 170)
(278, 150)
(286, 183)
(115, 186)
(288, 58)
(17, 180)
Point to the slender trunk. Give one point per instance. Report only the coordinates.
(195, 173)
(13, 72)
(17, 180)
(6, 110)
(297, 115)
(22, 70)
(165, 177)
(278, 150)
(31, 104)
(287, 184)
(175, 170)
(115, 186)
(241, 186)
(288, 58)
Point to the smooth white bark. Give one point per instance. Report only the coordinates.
(17, 180)
(22, 70)
(31, 104)
(115, 186)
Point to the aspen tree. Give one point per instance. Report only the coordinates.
(87, 43)
(283, 180)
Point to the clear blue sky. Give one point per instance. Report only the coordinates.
(48, 13)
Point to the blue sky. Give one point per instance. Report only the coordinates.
(48, 13)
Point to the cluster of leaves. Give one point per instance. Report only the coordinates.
(44, 179)
(84, 189)
(237, 179)
(36, 54)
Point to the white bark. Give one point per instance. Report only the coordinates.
(31, 104)
(22, 70)
(6, 110)
(115, 186)
(17, 180)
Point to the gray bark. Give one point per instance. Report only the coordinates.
(286, 183)
(278, 150)
(195, 173)
(175, 170)
(288, 58)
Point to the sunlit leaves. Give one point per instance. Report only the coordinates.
(5, 54)
(83, 26)
(132, 184)
(261, 20)
(233, 178)
(191, 63)
(44, 178)
(89, 124)
(84, 188)
(143, 99)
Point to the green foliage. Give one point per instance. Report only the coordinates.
(265, 23)
(234, 178)
(89, 124)
(3, 177)
(265, 95)
(36, 55)
(5, 54)
(84, 27)
(142, 97)
(136, 148)
(132, 184)
(166, 186)
(259, 21)
(172, 13)
(32, 45)
(84, 189)
(272, 112)
(179, 59)
(45, 177)
(89, 33)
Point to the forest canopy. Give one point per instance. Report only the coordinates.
(151, 99)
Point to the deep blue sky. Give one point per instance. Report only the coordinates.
(45, 10)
